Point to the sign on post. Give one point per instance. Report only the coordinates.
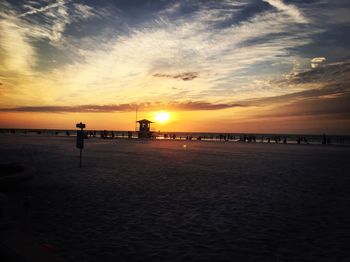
(80, 140)
(81, 125)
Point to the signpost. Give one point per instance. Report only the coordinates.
(80, 140)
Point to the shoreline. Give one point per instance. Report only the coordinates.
(226, 137)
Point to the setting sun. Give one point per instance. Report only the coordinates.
(161, 117)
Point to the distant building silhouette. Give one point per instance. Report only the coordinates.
(144, 129)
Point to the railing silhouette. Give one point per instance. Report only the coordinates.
(225, 137)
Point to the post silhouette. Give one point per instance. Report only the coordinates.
(80, 141)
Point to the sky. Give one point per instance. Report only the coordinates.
(262, 66)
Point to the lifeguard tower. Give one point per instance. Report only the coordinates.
(144, 129)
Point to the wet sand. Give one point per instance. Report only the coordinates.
(160, 201)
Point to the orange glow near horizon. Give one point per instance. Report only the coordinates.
(230, 121)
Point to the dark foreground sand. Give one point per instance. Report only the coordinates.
(159, 201)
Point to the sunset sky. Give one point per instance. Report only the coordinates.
(222, 66)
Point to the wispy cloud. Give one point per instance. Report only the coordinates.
(34, 10)
(290, 10)
(56, 18)
(18, 55)
(333, 72)
(333, 106)
(332, 80)
(185, 44)
(21, 35)
(328, 99)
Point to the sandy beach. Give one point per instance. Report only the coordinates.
(147, 200)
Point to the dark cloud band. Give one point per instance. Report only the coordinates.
(183, 106)
(187, 76)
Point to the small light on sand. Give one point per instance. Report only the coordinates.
(184, 146)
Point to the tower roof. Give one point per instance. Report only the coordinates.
(144, 121)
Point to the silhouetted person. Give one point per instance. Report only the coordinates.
(67, 133)
(285, 140)
(324, 140)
